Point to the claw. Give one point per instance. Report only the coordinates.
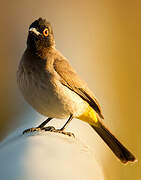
(49, 128)
(31, 130)
(65, 133)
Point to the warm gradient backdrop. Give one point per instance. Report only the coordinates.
(102, 39)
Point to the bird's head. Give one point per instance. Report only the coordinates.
(40, 35)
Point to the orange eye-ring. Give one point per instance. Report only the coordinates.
(45, 32)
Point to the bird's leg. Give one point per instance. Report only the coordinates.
(51, 128)
(40, 127)
(64, 127)
(67, 123)
(44, 123)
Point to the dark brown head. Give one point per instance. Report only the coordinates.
(40, 35)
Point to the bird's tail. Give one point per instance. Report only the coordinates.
(118, 149)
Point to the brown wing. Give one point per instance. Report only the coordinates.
(70, 79)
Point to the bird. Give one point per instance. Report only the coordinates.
(53, 88)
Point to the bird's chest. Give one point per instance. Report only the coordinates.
(41, 92)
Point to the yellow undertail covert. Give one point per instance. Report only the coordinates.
(89, 116)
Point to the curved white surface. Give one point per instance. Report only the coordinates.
(47, 156)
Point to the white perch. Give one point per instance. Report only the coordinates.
(47, 156)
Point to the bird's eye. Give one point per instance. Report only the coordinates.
(45, 32)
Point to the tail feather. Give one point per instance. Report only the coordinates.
(118, 149)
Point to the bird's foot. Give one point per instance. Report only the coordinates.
(48, 128)
(30, 130)
(63, 132)
(52, 129)
(37, 129)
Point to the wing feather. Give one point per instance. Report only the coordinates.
(70, 79)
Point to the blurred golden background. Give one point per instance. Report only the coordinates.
(102, 39)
